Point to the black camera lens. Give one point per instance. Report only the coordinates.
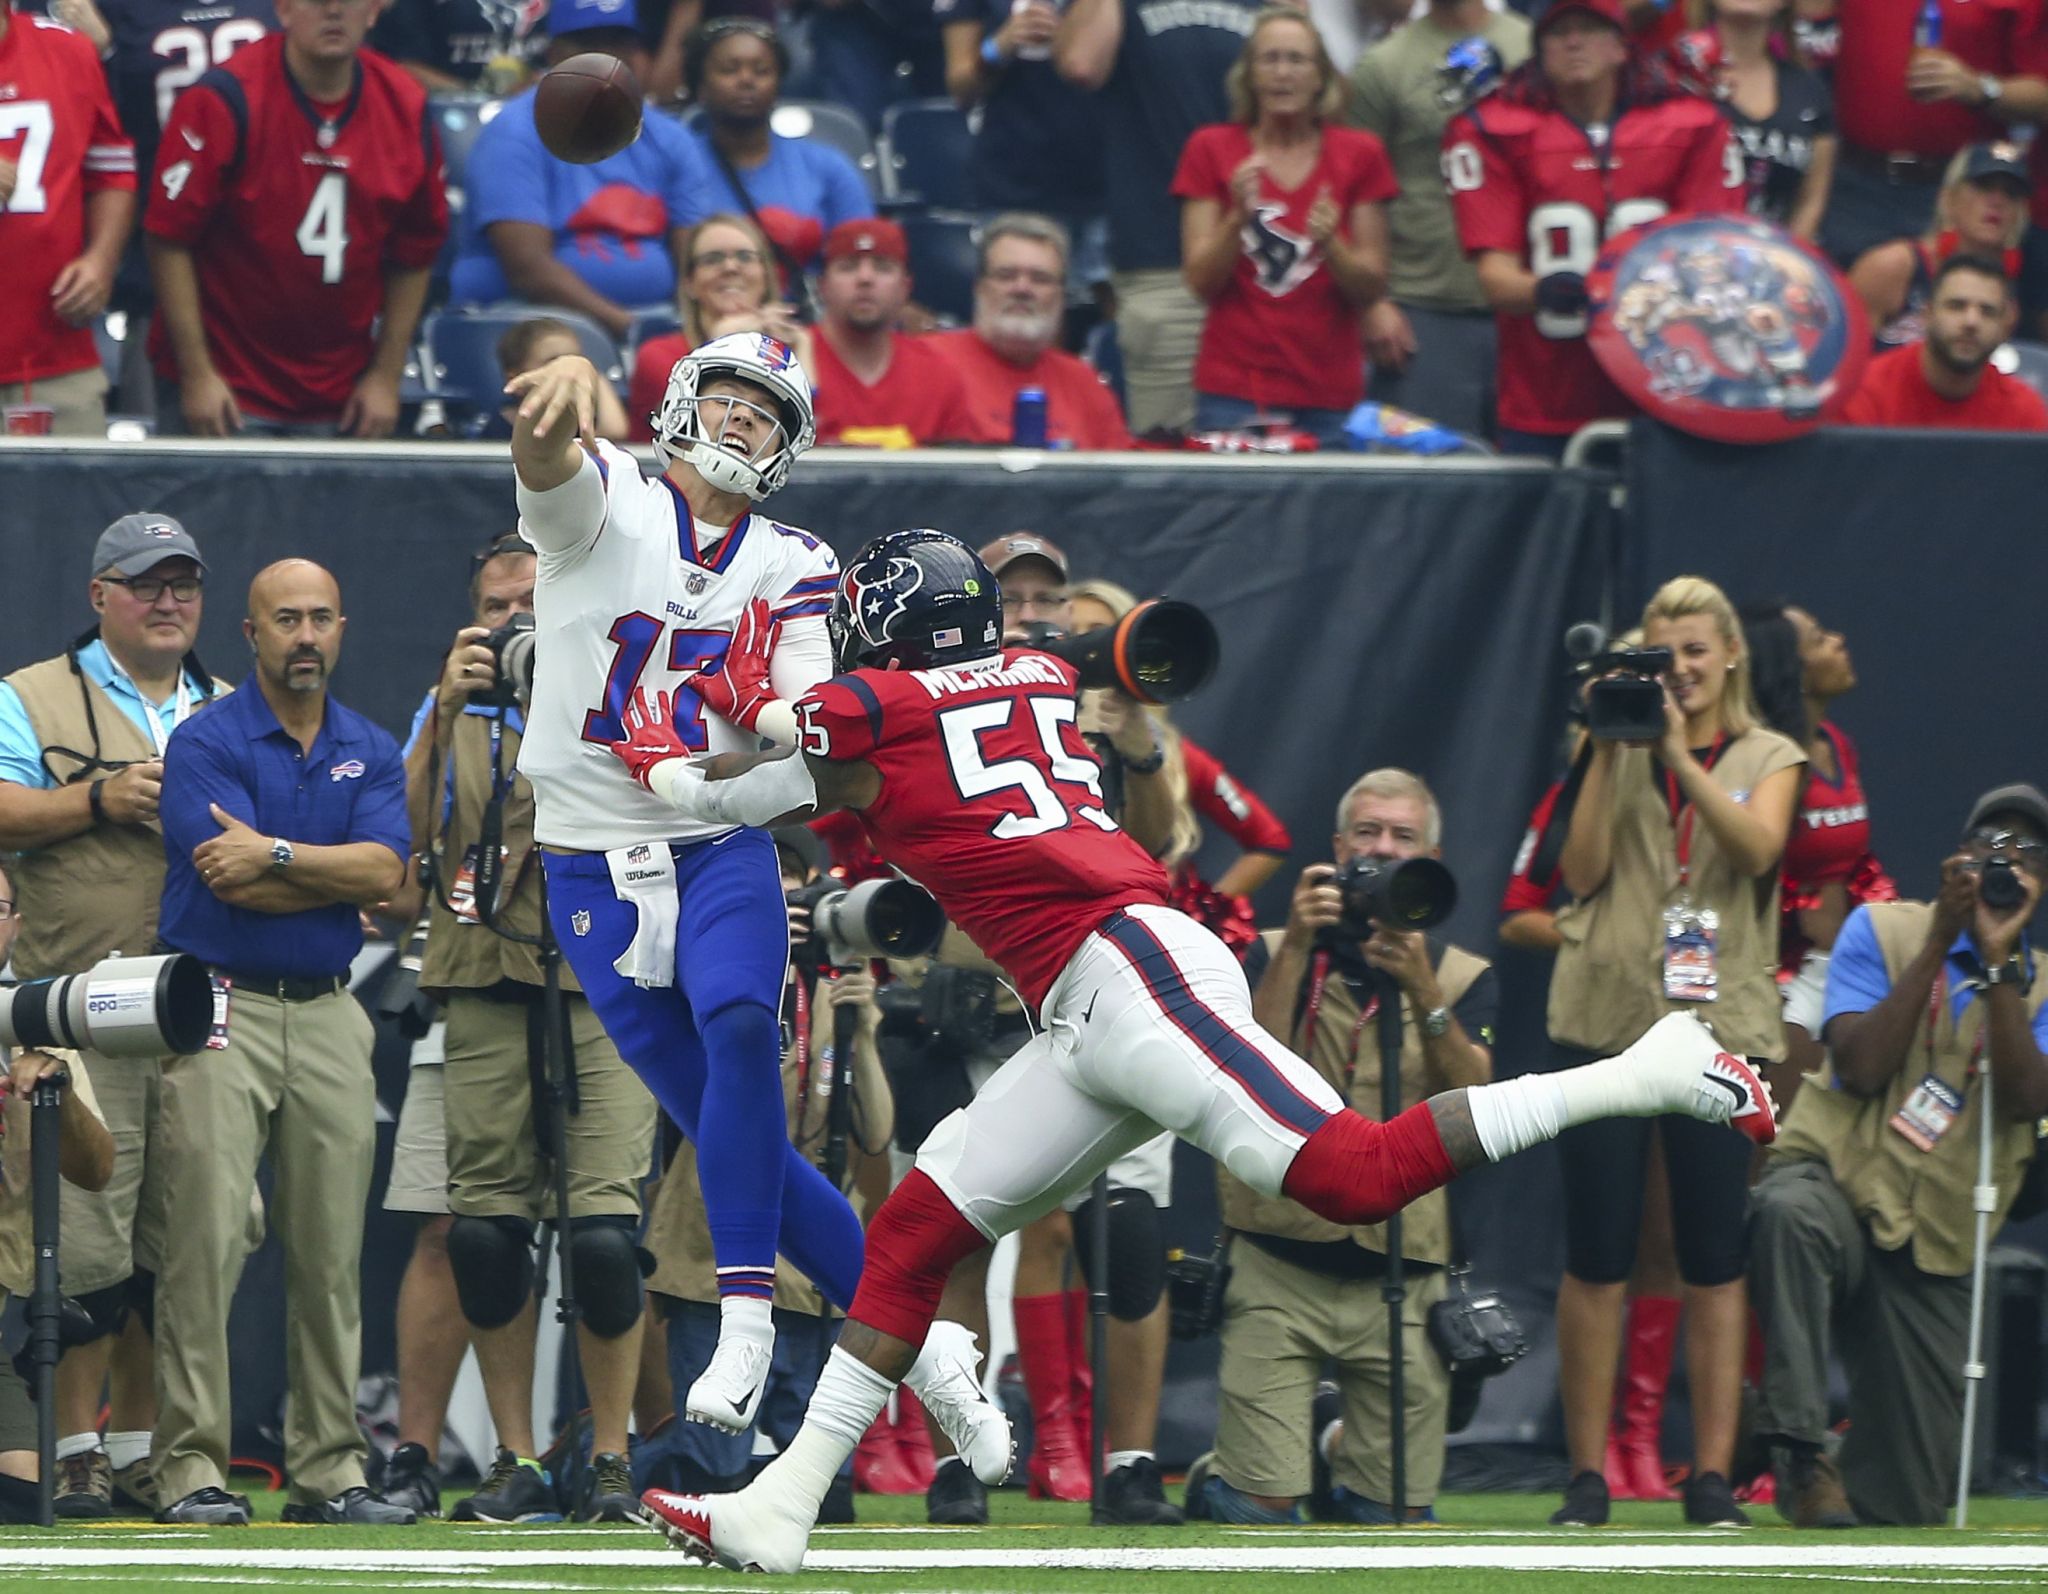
(1400, 893)
(1998, 885)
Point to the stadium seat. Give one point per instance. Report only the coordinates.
(1107, 356)
(458, 118)
(926, 147)
(652, 323)
(462, 351)
(943, 261)
(828, 123)
(2026, 361)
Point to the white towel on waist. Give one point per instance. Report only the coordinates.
(645, 875)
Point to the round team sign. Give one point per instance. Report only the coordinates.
(1727, 327)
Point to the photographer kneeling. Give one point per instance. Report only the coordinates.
(1302, 1290)
(1671, 857)
(482, 959)
(1864, 1215)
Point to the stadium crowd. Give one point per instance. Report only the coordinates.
(1165, 222)
(276, 219)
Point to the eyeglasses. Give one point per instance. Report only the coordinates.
(147, 589)
(1038, 278)
(1283, 58)
(6, 909)
(717, 259)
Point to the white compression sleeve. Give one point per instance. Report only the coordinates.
(565, 518)
(763, 793)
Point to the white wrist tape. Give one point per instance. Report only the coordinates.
(777, 723)
(765, 792)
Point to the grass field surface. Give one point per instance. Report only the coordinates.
(1489, 1544)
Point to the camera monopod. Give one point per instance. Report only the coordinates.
(1394, 1288)
(1098, 1345)
(45, 1307)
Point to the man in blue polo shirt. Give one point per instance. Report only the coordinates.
(607, 238)
(1937, 1013)
(283, 816)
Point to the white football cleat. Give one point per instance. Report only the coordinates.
(944, 1378)
(1690, 1074)
(729, 1530)
(727, 1394)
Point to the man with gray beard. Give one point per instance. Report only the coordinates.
(1020, 296)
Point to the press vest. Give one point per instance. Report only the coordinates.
(1425, 1223)
(1608, 985)
(1903, 1194)
(98, 891)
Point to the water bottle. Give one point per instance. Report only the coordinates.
(1027, 419)
(1927, 30)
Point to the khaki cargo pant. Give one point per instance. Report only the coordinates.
(295, 1082)
(108, 1233)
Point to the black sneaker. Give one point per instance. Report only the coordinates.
(836, 1510)
(357, 1507)
(1585, 1503)
(410, 1479)
(214, 1508)
(1134, 1496)
(85, 1485)
(511, 1492)
(1710, 1503)
(1197, 1507)
(956, 1498)
(609, 1496)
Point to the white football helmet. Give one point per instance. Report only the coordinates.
(752, 357)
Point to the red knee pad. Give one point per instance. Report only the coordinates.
(917, 1237)
(1353, 1170)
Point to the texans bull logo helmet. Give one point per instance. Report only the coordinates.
(918, 599)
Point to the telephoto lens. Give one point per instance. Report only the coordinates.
(120, 1007)
(876, 919)
(1400, 893)
(1162, 651)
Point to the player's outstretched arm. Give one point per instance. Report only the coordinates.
(556, 419)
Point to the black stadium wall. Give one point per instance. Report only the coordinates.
(1372, 612)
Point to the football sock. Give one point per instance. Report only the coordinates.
(916, 1238)
(744, 1317)
(742, 1136)
(849, 1396)
(1531, 1108)
(1123, 1458)
(1352, 1170)
(821, 1234)
(125, 1449)
(76, 1444)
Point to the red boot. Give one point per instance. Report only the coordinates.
(879, 1463)
(1059, 1467)
(1082, 1379)
(914, 1441)
(1635, 1457)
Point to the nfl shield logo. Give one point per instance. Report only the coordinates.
(579, 921)
(695, 584)
(639, 854)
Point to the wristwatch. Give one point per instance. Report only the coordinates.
(280, 853)
(1437, 1021)
(1992, 88)
(2010, 972)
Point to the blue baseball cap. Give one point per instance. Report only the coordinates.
(579, 16)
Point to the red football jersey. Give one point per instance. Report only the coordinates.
(919, 399)
(57, 125)
(1238, 810)
(1525, 893)
(990, 800)
(1282, 333)
(1080, 412)
(1873, 109)
(1534, 184)
(294, 211)
(1830, 840)
(1895, 392)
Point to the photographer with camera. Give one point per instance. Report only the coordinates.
(852, 1150)
(1671, 855)
(1936, 1013)
(472, 819)
(81, 767)
(1303, 1290)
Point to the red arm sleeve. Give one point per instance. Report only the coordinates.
(1236, 810)
(840, 719)
(1486, 191)
(198, 147)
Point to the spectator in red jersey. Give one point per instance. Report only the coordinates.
(1284, 234)
(298, 203)
(728, 285)
(1020, 298)
(876, 389)
(1947, 378)
(67, 199)
(1536, 193)
(1905, 109)
(1982, 212)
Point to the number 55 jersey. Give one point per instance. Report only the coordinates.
(990, 800)
(294, 210)
(1528, 180)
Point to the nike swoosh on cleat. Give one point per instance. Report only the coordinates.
(743, 1407)
(1741, 1096)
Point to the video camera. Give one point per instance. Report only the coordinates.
(1625, 703)
(120, 1007)
(512, 648)
(1162, 651)
(1400, 893)
(875, 919)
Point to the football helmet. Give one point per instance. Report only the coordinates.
(1471, 70)
(766, 363)
(919, 599)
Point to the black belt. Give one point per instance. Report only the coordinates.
(1897, 167)
(283, 987)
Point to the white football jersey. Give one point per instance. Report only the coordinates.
(638, 605)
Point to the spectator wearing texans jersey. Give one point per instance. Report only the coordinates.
(67, 200)
(607, 238)
(1020, 297)
(1947, 378)
(1783, 113)
(1284, 237)
(298, 203)
(1581, 143)
(1982, 211)
(1905, 110)
(797, 189)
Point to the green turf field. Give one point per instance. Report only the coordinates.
(1490, 1544)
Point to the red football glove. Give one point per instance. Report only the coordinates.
(650, 734)
(736, 688)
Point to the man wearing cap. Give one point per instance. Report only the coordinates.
(81, 766)
(875, 389)
(1020, 301)
(283, 817)
(604, 239)
(1865, 1213)
(1947, 378)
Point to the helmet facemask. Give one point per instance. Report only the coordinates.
(694, 426)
